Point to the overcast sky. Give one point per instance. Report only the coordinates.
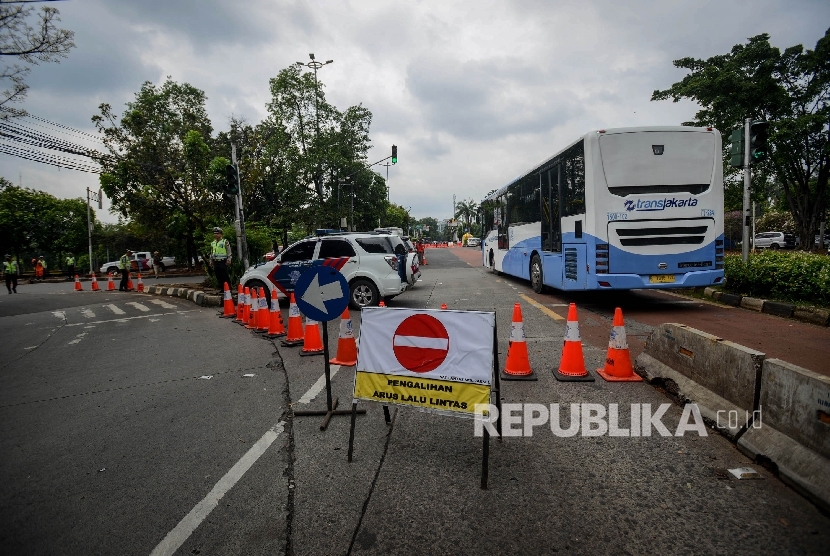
(472, 92)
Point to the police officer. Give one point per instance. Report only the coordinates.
(220, 258)
(124, 267)
(10, 272)
(70, 266)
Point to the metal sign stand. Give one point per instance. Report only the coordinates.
(322, 313)
(495, 389)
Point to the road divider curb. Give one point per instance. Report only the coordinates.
(776, 412)
(721, 377)
(794, 428)
(196, 296)
(813, 315)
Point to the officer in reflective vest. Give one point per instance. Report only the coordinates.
(220, 258)
(10, 272)
(124, 267)
(70, 266)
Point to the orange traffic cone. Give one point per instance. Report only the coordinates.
(425, 258)
(252, 316)
(229, 309)
(313, 344)
(95, 287)
(443, 306)
(346, 345)
(240, 303)
(246, 305)
(381, 304)
(275, 327)
(110, 283)
(618, 366)
(129, 282)
(140, 283)
(295, 334)
(518, 363)
(78, 286)
(263, 315)
(572, 366)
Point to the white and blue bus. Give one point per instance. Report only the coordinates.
(617, 209)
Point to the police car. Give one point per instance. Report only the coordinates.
(372, 263)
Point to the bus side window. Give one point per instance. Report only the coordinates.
(551, 223)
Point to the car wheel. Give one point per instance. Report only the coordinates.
(536, 274)
(162, 267)
(774, 247)
(363, 294)
(113, 269)
(257, 284)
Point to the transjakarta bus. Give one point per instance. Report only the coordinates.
(617, 209)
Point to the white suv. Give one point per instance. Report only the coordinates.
(368, 261)
(774, 240)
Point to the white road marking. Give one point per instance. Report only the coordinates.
(140, 306)
(31, 347)
(154, 320)
(116, 310)
(88, 313)
(191, 521)
(60, 314)
(125, 319)
(318, 386)
(78, 338)
(163, 303)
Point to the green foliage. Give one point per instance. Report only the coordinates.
(788, 276)
(791, 90)
(776, 221)
(396, 217)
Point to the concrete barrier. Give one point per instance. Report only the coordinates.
(752, 303)
(820, 317)
(794, 428)
(721, 377)
(779, 309)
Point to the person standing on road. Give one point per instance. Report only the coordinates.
(70, 266)
(156, 264)
(10, 273)
(124, 267)
(420, 249)
(220, 258)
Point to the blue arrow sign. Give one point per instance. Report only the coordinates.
(321, 293)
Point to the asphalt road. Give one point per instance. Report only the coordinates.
(113, 443)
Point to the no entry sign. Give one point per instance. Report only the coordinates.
(421, 343)
(440, 361)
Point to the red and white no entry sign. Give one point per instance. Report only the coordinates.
(421, 343)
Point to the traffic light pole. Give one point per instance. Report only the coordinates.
(239, 225)
(747, 182)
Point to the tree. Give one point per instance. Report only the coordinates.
(467, 212)
(790, 90)
(31, 45)
(160, 169)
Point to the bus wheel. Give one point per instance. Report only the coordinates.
(536, 274)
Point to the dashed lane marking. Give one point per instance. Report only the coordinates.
(88, 313)
(318, 386)
(140, 306)
(116, 310)
(125, 319)
(60, 314)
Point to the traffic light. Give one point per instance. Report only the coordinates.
(394, 154)
(231, 180)
(736, 142)
(758, 134)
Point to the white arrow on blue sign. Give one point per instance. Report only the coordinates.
(321, 293)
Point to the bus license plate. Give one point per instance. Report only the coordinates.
(661, 278)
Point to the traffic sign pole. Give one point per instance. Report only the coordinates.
(321, 293)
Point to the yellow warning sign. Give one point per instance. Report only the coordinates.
(440, 395)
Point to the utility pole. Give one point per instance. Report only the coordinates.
(747, 182)
(239, 223)
(96, 197)
(388, 193)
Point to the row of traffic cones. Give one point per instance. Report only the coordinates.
(110, 284)
(252, 311)
(618, 367)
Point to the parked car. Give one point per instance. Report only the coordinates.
(826, 241)
(141, 261)
(774, 240)
(473, 242)
(370, 262)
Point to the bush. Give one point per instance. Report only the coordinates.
(788, 276)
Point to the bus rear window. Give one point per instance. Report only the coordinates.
(658, 161)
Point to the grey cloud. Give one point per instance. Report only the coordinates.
(482, 100)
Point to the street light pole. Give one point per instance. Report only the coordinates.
(315, 65)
